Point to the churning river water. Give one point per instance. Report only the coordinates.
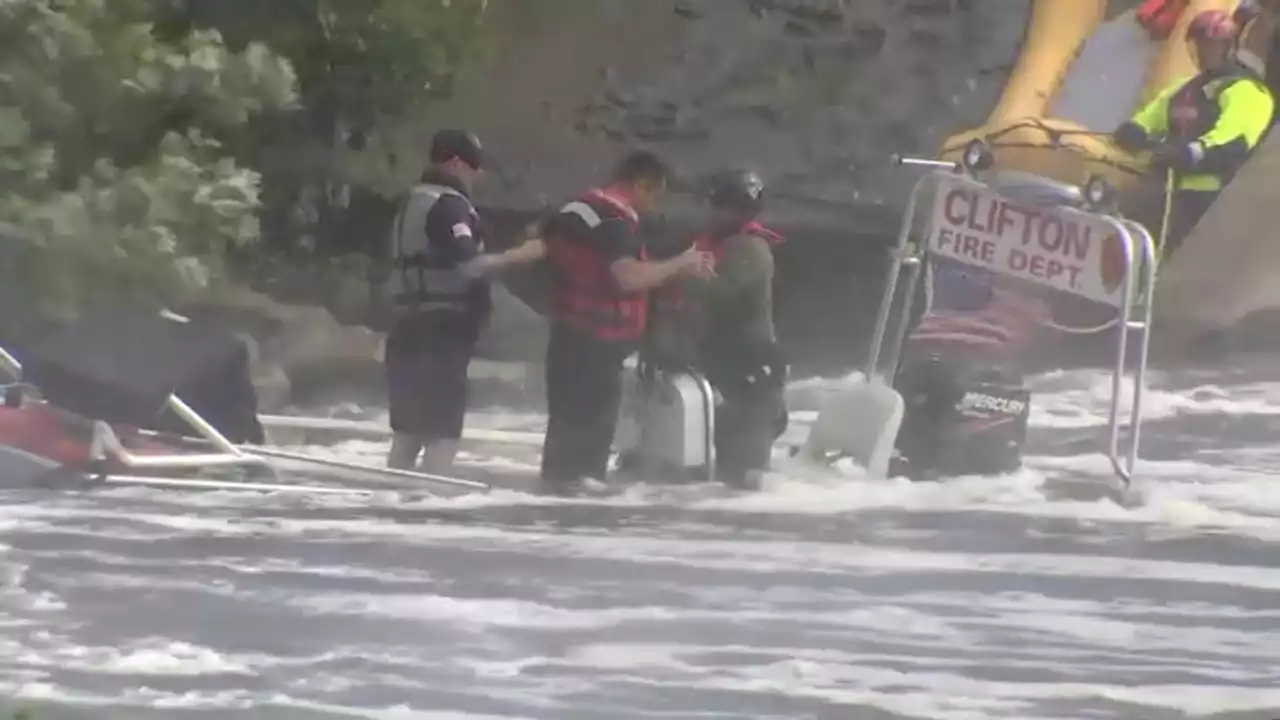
(1025, 597)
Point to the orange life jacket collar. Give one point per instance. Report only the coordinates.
(618, 198)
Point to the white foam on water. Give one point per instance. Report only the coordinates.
(1083, 399)
(149, 657)
(810, 619)
(240, 701)
(923, 693)
(934, 689)
(1183, 495)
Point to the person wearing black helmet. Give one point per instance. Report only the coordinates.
(438, 304)
(728, 319)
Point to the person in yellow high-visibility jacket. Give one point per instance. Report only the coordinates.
(1204, 128)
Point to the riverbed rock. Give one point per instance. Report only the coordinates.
(274, 390)
(292, 346)
(301, 352)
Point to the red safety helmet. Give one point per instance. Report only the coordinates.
(1212, 25)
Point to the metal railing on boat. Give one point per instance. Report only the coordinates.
(380, 431)
(105, 445)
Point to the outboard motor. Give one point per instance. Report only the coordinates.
(966, 404)
(957, 405)
(961, 419)
(1015, 243)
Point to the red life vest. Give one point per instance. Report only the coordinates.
(1160, 17)
(587, 296)
(671, 299)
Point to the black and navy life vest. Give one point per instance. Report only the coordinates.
(425, 277)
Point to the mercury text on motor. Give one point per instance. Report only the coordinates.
(989, 403)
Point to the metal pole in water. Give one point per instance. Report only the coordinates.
(383, 474)
(199, 484)
(891, 280)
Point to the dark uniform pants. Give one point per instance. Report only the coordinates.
(753, 413)
(584, 391)
(426, 362)
(1188, 207)
(746, 428)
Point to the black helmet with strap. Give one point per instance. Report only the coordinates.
(451, 144)
(740, 190)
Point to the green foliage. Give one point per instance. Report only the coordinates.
(144, 142)
(368, 73)
(116, 179)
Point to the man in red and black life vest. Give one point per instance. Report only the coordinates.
(1203, 128)
(438, 307)
(600, 282)
(722, 327)
(961, 380)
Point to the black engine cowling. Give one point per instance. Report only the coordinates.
(961, 419)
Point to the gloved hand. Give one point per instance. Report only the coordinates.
(1175, 156)
(1130, 136)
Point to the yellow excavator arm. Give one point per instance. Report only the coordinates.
(1229, 266)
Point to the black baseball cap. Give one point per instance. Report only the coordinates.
(452, 143)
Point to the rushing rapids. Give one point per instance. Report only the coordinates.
(1025, 596)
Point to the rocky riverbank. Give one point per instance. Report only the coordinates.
(302, 354)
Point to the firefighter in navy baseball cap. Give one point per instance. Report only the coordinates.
(440, 305)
